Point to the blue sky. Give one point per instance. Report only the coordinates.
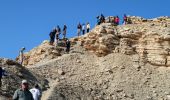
(28, 22)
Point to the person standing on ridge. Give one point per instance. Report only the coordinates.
(79, 28)
(21, 55)
(102, 18)
(64, 31)
(36, 92)
(125, 19)
(23, 93)
(87, 27)
(83, 29)
(68, 45)
(117, 20)
(2, 73)
(52, 36)
(58, 31)
(98, 20)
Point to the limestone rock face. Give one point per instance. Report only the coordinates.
(42, 52)
(102, 40)
(147, 37)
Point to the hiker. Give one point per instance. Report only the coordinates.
(83, 29)
(116, 20)
(109, 19)
(64, 31)
(36, 92)
(98, 20)
(23, 93)
(21, 55)
(102, 18)
(2, 73)
(125, 19)
(68, 45)
(79, 28)
(87, 27)
(52, 36)
(58, 31)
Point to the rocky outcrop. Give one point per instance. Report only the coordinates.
(101, 40)
(42, 52)
(148, 38)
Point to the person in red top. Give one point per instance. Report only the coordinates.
(116, 20)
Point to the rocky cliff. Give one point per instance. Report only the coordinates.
(148, 38)
(125, 62)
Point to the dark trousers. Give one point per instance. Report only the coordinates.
(0, 82)
(88, 30)
(51, 40)
(83, 32)
(67, 49)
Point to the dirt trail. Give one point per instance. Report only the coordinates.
(48, 92)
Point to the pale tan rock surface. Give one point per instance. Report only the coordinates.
(148, 38)
(43, 52)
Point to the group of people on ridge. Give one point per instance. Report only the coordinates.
(55, 33)
(55, 37)
(100, 19)
(115, 21)
(83, 28)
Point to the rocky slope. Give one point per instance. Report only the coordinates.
(125, 62)
(15, 74)
(82, 75)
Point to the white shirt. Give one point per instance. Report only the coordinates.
(88, 26)
(35, 93)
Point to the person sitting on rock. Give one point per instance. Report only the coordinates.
(64, 31)
(23, 93)
(79, 28)
(68, 45)
(129, 20)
